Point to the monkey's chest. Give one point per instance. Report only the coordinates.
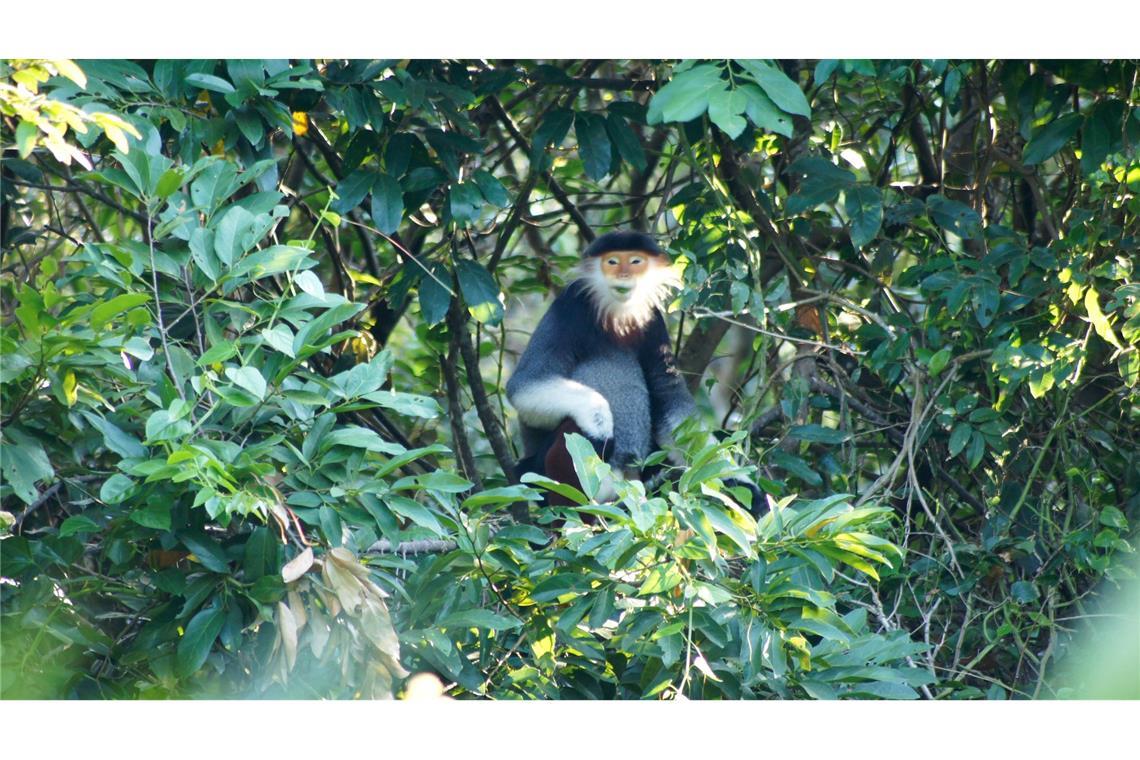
(617, 375)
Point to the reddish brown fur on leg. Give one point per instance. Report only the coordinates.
(558, 464)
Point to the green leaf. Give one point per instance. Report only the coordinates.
(986, 299)
(763, 112)
(77, 524)
(975, 450)
(864, 206)
(1101, 134)
(209, 82)
(170, 181)
(824, 69)
(884, 690)
(477, 618)
(414, 511)
(552, 131)
(625, 141)
(249, 378)
(443, 481)
(820, 181)
(1050, 139)
(317, 328)
(1113, 517)
(272, 260)
(569, 492)
(25, 138)
(23, 463)
(581, 450)
(686, 96)
(555, 586)
(785, 93)
(939, 361)
(956, 217)
(491, 188)
(228, 234)
(1024, 592)
(311, 284)
(250, 125)
(660, 580)
(115, 489)
(352, 189)
(480, 291)
(465, 203)
(819, 434)
(725, 109)
(279, 338)
(387, 203)
(504, 495)
(114, 438)
(435, 299)
(364, 377)
(208, 552)
(593, 144)
(359, 438)
(105, 312)
(1129, 363)
(409, 404)
(260, 556)
(202, 251)
(219, 352)
(796, 466)
(155, 515)
(196, 642)
(162, 426)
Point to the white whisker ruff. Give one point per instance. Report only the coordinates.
(649, 293)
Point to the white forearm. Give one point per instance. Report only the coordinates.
(546, 403)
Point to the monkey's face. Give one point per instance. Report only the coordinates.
(623, 269)
(626, 287)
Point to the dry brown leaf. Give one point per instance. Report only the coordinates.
(297, 566)
(318, 634)
(297, 605)
(287, 626)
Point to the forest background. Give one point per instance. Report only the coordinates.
(258, 314)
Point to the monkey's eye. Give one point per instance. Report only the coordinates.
(613, 262)
(636, 260)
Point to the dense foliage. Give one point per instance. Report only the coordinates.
(257, 318)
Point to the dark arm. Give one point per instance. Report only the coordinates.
(670, 402)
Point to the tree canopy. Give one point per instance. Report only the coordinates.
(257, 317)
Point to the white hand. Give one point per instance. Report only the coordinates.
(596, 420)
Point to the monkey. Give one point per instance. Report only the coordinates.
(600, 363)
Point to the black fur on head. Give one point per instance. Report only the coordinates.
(623, 241)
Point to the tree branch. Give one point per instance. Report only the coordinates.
(555, 189)
(463, 456)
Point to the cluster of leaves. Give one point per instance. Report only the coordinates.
(229, 345)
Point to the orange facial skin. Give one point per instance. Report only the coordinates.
(622, 268)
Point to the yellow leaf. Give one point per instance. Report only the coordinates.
(543, 647)
(71, 71)
(300, 123)
(1099, 320)
(70, 388)
(115, 135)
(703, 666)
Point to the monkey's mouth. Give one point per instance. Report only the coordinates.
(622, 292)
